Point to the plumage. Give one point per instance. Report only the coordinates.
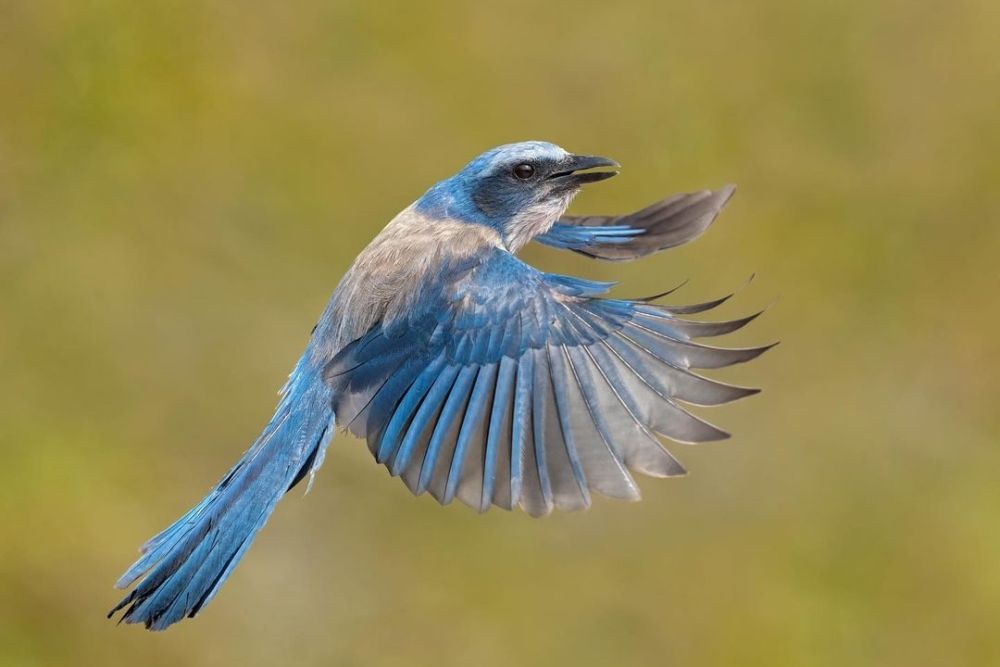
(591, 358)
(664, 224)
(472, 375)
(185, 565)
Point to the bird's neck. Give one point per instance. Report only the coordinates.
(449, 202)
(533, 220)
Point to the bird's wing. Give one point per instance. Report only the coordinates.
(665, 224)
(520, 388)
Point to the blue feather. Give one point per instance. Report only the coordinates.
(471, 374)
(190, 560)
(417, 432)
(471, 428)
(564, 409)
(457, 399)
(564, 422)
(499, 439)
(521, 439)
(576, 237)
(400, 418)
(543, 421)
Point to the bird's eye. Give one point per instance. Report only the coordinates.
(524, 171)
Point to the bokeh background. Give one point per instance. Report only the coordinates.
(182, 185)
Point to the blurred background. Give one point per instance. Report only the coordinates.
(183, 184)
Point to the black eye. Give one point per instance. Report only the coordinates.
(524, 171)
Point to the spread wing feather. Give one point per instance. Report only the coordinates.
(665, 224)
(524, 389)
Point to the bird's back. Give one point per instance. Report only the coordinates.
(412, 259)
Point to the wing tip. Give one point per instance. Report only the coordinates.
(745, 392)
(672, 467)
(539, 512)
(708, 432)
(654, 297)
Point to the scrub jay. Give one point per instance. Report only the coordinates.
(470, 373)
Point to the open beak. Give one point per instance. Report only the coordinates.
(572, 172)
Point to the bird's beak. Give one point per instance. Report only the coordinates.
(569, 173)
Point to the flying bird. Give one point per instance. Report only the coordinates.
(471, 374)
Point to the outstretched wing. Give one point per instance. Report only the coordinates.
(524, 388)
(665, 224)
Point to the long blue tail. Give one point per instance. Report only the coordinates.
(186, 564)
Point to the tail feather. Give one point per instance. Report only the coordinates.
(182, 568)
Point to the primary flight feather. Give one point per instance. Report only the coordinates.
(471, 374)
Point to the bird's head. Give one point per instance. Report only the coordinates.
(518, 189)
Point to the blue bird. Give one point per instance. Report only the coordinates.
(470, 373)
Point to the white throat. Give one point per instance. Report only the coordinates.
(534, 220)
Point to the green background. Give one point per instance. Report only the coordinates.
(182, 185)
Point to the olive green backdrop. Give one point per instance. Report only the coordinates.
(182, 185)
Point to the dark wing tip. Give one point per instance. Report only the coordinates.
(749, 353)
(704, 306)
(695, 329)
(654, 297)
(744, 354)
(698, 307)
(664, 224)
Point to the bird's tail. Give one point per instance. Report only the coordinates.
(186, 564)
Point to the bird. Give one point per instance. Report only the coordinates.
(471, 374)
